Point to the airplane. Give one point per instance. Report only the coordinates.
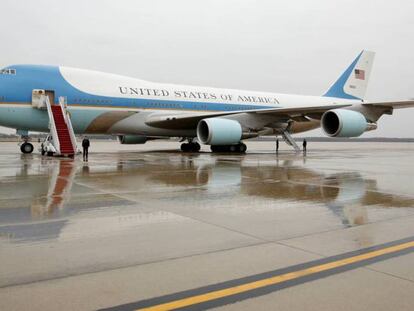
(137, 110)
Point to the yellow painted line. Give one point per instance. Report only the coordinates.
(185, 302)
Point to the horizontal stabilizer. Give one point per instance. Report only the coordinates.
(392, 104)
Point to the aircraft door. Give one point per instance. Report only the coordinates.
(37, 99)
(51, 95)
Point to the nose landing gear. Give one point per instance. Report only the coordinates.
(26, 147)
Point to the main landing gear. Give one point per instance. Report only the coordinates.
(239, 148)
(194, 146)
(190, 147)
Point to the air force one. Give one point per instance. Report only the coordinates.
(61, 99)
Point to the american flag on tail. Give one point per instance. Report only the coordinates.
(359, 74)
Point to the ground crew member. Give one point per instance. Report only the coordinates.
(277, 145)
(305, 143)
(85, 146)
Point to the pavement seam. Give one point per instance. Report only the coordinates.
(299, 248)
(388, 274)
(188, 217)
(132, 265)
(243, 233)
(222, 227)
(346, 228)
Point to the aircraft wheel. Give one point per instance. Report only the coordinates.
(242, 148)
(220, 148)
(234, 148)
(239, 148)
(195, 147)
(190, 147)
(215, 148)
(26, 148)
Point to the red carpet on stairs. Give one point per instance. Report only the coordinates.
(66, 146)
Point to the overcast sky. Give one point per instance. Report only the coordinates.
(292, 46)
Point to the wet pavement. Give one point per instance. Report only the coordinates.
(138, 222)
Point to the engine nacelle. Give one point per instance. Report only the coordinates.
(218, 131)
(344, 123)
(132, 139)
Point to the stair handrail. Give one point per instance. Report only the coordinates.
(289, 140)
(66, 116)
(52, 125)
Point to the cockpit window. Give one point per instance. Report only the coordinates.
(7, 71)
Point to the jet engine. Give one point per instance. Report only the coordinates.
(219, 131)
(345, 123)
(132, 139)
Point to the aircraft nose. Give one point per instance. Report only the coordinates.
(2, 95)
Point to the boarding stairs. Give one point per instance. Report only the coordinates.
(66, 147)
(289, 140)
(60, 125)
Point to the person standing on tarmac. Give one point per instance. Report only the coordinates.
(277, 145)
(85, 146)
(304, 145)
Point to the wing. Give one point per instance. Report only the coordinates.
(190, 121)
(393, 104)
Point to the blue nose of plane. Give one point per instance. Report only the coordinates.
(2, 90)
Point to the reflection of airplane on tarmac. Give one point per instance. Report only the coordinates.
(347, 195)
(138, 110)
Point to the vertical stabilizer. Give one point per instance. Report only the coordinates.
(352, 84)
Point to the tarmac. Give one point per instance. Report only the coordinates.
(146, 226)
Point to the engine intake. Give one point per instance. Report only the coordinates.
(218, 131)
(345, 123)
